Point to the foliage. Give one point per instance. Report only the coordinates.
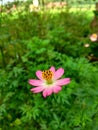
(38, 40)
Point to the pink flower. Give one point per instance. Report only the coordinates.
(94, 37)
(49, 81)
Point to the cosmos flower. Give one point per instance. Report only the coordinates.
(94, 37)
(49, 81)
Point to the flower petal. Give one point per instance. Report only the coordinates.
(52, 69)
(58, 73)
(34, 82)
(39, 74)
(94, 37)
(47, 92)
(37, 89)
(56, 89)
(63, 81)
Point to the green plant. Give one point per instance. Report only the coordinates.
(41, 40)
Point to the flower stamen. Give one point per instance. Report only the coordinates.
(47, 75)
(94, 35)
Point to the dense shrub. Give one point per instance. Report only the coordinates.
(33, 41)
(75, 107)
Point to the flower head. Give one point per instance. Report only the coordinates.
(49, 81)
(94, 37)
(86, 45)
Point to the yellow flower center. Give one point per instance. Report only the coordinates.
(94, 35)
(47, 75)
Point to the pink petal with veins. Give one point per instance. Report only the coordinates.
(47, 92)
(56, 89)
(63, 81)
(39, 74)
(58, 73)
(52, 69)
(37, 89)
(35, 82)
